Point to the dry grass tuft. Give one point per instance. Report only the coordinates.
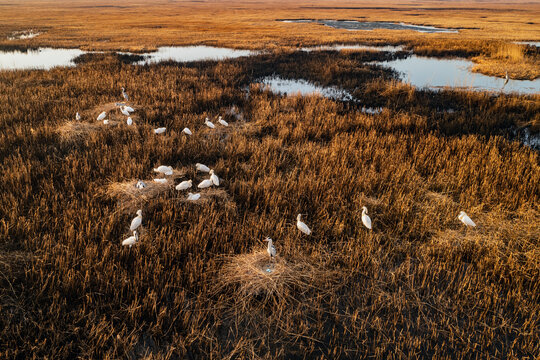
(76, 129)
(130, 198)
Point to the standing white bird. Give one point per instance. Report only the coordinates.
(78, 117)
(129, 121)
(464, 218)
(129, 108)
(101, 116)
(184, 185)
(214, 178)
(125, 95)
(124, 111)
(506, 78)
(161, 181)
(223, 122)
(106, 121)
(137, 221)
(167, 170)
(271, 249)
(301, 226)
(132, 240)
(202, 168)
(193, 197)
(187, 131)
(208, 123)
(140, 184)
(205, 184)
(365, 218)
(160, 130)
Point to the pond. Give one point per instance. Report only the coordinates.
(191, 53)
(339, 47)
(434, 73)
(282, 86)
(372, 25)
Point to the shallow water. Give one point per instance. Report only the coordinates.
(372, 25)
(21, 35)
(43, 58)
(282, 86)
(531, 43)
(192, 53)
(339, 47)
(433, 73)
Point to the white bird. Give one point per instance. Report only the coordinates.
(506, 78)
(205, 184)
(106, 121)
(132, 240)
(125, 95)
(129, 121)
(129, 108)
(140, 184)
(208, 123)
(101, 116)
(193, 197)
(161, 181)
(184, 185)
(223, 122)
(202, 168)
(137, 221)
(214, 178)
(187, 131)
(365, 218)
(124, 111)
(160, 130)
(167, 170)
(78, 117)
(271, 249)
(466, 219)
(301, 226)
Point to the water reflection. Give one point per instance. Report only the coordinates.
(191, 53)
(43, 58)
(282, 86)
(372, 25)
(339, 47)
(433, 73)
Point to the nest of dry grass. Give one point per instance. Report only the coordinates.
(130, 198)
(77, 129)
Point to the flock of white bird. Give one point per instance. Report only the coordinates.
(212, 181)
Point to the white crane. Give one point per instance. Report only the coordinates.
(129, 121)
(202, 167)
(208, 123)
(167, 170)
(464, 218)
(365, 218)
(184, 185)
(205, 184)
(301, 226)
(214, 178)
(125, 95)
(132, 240)
(78, 117)
(124, 111)
(506, 78)
(193, 197)
(106, 121)
(271, 249)
(102, 116)
(129, 108)
(161, 181)
(187, 131)
(222, 122)
(140, 184)
(160, 130)
(137, 221)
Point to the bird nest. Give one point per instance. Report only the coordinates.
(130, 198)
(256, 275)
(77, 129)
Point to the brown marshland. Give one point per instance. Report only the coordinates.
(196, 286)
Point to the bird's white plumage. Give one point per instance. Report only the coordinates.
(137, 221)
(129, 121)
(202, 167)
(208, 123)
(270, 249)
(167, 170)
(193, 197)
(124, 111)
(160, 130)
(187, 131)
(205, 184)
(161, 181)
(106, 121)
(77, 117)
(366, 220)
(464, 218)
(223, 122)
(129, 108)
(101, 116)
(302, 226)
(184, 185)
(214, 178)
(125, 95)
(140, 184)
(132, 240)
